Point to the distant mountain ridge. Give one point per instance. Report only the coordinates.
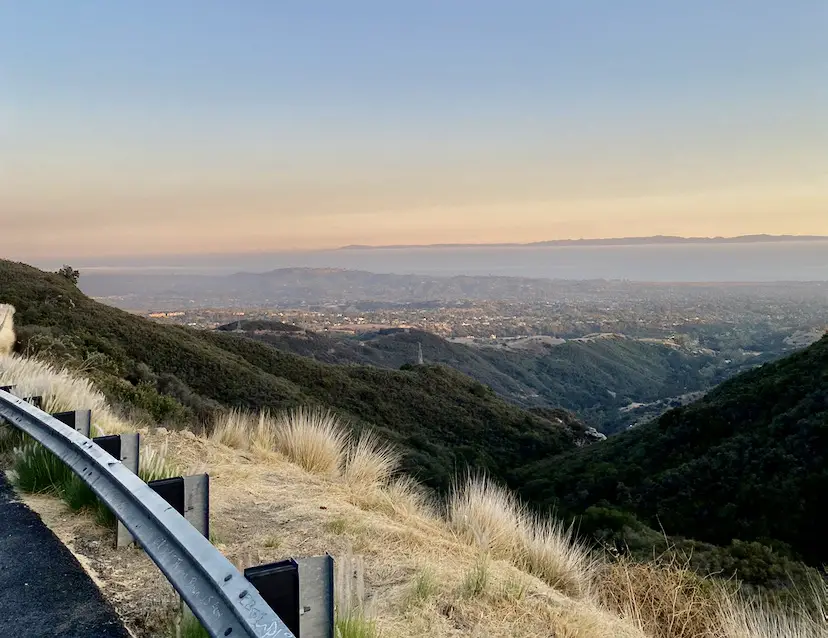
(612, 241)
(299, 286)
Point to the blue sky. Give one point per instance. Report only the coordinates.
(327, 123)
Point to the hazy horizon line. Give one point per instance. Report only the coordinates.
(654, 239)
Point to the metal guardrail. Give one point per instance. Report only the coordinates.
(222, 599)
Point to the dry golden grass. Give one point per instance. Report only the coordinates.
(485, 567)
(61, 390)
(313, 439)
(7, 337)
(665, 600)
(487, 515)
(552, 553)
(233, 429)
(318, 513)
(402, 497)
(156, 463)
(370, 462)
(418, 575)
(316, 441)
(492, 518)
(745, 620)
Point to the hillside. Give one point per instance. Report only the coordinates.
(749, 462)
(443, 420)
(597, 379)
(473, 564)
(440, 420)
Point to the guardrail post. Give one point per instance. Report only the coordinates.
(278, 584)
(197, 502)
(316, 596)
(79, 420)
(190, 497)
(300, 591)
(123, 447)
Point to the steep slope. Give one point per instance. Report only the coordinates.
(749, 461)
(480, 565)
(441, 418)
(597, 378)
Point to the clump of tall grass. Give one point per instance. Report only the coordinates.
(10, 438)
(355, 626)
(155, 464)
(404, 497)
(553, 553)
(318, 442)
(313, 439)
(744, 619)
(61, 391)
(370, 462)
(424, 587)
(476, 580)
(232, 429)
(664, 598)
(492, 518)
(487, 515)
(7, 337)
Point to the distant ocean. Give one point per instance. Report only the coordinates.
(748, 262)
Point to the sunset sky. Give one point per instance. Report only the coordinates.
(197, 126)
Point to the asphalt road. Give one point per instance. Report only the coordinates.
(44, 591)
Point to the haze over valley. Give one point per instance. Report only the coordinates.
(617, 353)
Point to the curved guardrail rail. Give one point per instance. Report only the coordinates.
(225, 603)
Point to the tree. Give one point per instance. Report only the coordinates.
(69, 273)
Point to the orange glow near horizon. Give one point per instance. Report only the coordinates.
(259, 219)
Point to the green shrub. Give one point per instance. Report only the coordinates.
(78, 494)
(356, 626)
(39, 471)
(10, 438)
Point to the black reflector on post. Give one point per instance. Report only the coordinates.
(278, 584)
(110, 444)
(78, 420)
(172, 491)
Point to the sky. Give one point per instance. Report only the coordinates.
(200, 126)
